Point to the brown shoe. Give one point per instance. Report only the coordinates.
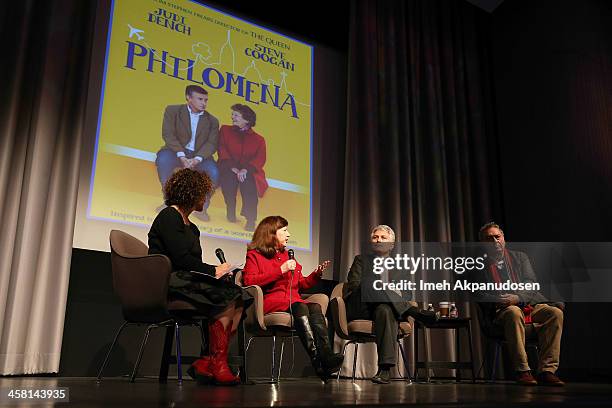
(525, 378)
(550, 379)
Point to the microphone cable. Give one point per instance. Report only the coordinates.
(292, 257)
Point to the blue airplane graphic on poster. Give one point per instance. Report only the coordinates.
(135, 32)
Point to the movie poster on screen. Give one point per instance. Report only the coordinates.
(155, 49)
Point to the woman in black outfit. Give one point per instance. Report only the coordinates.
(202, 285)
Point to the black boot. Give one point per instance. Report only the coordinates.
(425, 316)
(331, 361)
(304, 331)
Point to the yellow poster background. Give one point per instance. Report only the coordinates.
(125, 184)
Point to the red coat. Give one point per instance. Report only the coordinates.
(243, 150)
(259, 270)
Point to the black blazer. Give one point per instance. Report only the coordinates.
(360, 295)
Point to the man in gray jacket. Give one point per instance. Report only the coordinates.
(506, 313)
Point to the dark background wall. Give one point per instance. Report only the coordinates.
(553, 90)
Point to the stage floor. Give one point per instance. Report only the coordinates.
(84, 392)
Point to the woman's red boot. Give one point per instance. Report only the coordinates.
(200, 370)
(219, 344)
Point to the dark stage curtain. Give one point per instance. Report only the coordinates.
(421, 152)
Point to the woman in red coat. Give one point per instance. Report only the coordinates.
(242, 155)
(268, 265)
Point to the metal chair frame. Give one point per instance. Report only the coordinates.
(371, 339)
(275, 369)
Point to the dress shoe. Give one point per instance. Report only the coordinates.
(550, 379)
(382, 376)
(250, 226)
(525, 378)
(423, 316)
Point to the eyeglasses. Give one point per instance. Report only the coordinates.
(496, 237)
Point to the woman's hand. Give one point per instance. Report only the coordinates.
(319, 269)
(288, 265)
(222, 270)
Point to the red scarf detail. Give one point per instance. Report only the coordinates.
(494, 270)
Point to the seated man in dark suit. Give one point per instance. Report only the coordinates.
(386, 308)
(506, 313)
(191, 135)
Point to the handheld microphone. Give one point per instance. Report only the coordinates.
(220, 255)
(291, 256)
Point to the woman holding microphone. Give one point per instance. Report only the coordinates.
(268, 265)
(202, 285)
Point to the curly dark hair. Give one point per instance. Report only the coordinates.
(186, 187)
(247, 113)
(264, 237)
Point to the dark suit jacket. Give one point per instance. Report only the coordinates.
(354, 276)
(360, 297)
(176, 131)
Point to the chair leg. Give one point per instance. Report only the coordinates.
(280, 362)
(415, 373)
(355, 360)
(273, 359)
(110, 350)
(177, 331)
(405, 360)
(343, 354)
(494, 366)
(426, 333)
(142, 347)
(482, 364)
(166, 353)
(249, 343)
(204, 340)
(458, 355)
(469, 329)
(243, 373)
